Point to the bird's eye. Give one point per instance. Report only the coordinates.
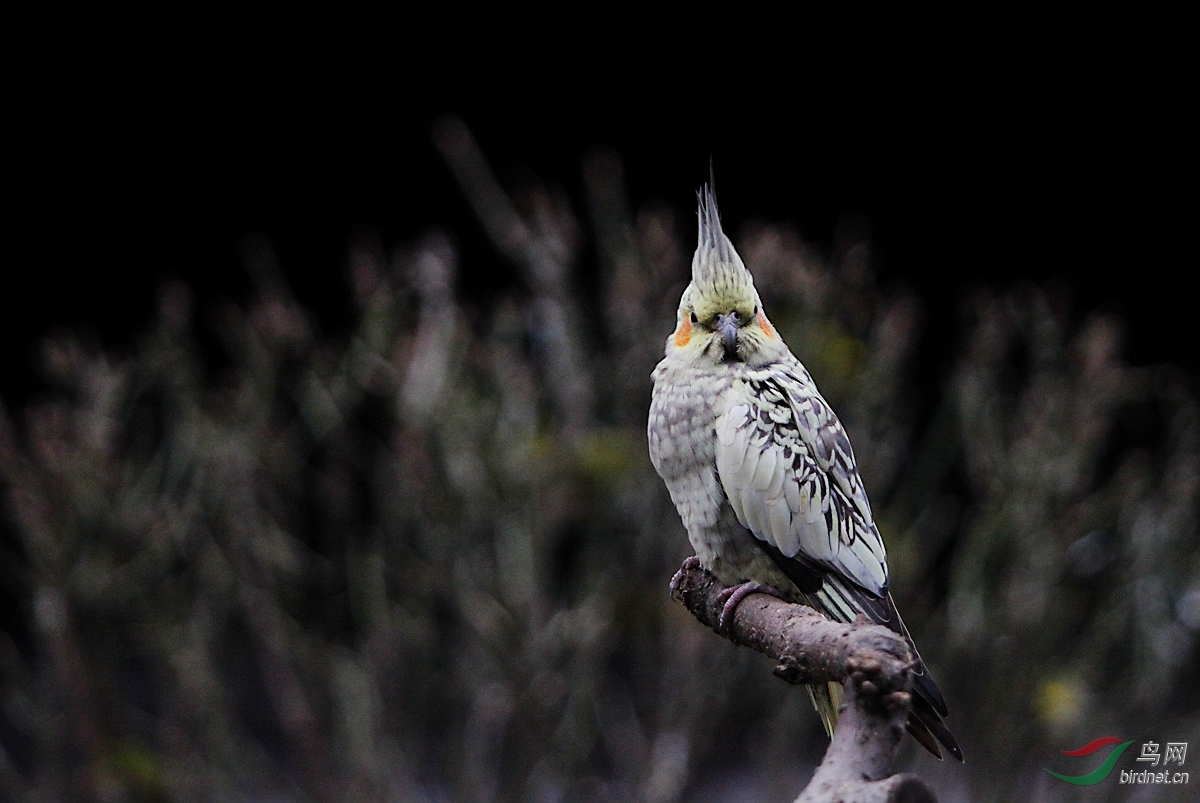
(755, 311)
(694, 318)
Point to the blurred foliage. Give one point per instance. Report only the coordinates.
(429, 561)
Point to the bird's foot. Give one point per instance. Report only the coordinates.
(732, 597)
(689, 564)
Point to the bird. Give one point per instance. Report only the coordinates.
(762, 472)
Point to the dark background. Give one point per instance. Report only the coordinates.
(983, 149)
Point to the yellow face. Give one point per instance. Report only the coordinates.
(724, 327)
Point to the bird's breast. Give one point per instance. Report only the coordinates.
(681, 432)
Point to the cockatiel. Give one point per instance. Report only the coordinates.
(762, 472)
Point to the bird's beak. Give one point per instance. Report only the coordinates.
(728, 326)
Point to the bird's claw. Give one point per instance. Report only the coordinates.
(732, 597)
(689, 564)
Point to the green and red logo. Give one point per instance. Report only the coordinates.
(1100, 773)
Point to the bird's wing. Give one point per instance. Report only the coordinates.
(788, 471)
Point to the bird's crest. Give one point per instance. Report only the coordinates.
(718, 273)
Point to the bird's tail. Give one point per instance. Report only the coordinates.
(827, 699)
(843, 601)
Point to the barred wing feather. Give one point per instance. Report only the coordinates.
(788, 471)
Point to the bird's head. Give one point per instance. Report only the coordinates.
(720, 316)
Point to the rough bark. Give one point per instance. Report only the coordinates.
(872, 661)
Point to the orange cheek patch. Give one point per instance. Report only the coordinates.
(684, 333)
(767, 328)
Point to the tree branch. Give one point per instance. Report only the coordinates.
(874, 662)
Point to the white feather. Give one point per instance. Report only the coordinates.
(765, 469)
(791, 492)
(779, 477)
(786, 539)
(727, 426)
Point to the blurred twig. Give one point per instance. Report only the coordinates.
(545, 247)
